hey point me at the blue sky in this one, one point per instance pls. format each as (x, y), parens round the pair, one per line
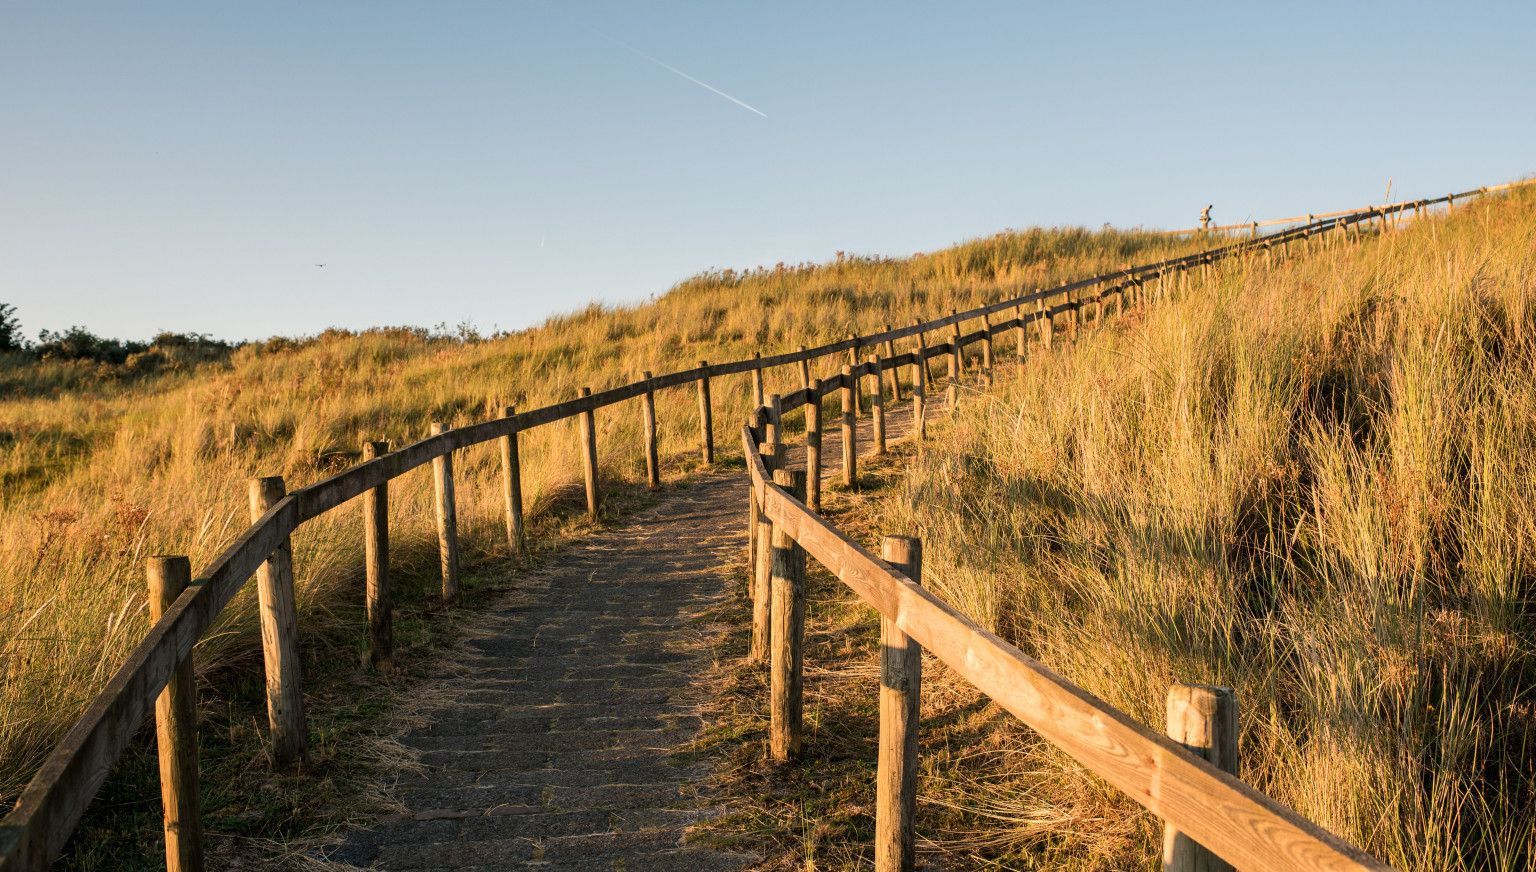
(184, 166)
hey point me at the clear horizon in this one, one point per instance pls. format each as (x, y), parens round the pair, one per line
(184, 167)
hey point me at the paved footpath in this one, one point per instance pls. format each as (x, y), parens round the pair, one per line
(554, 753)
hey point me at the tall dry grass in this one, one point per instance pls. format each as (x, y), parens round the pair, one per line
(101, 472)
(1314, 483)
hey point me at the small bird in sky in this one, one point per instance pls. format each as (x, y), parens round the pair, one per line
(320, 265)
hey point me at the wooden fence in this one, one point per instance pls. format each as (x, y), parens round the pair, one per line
(157, 673)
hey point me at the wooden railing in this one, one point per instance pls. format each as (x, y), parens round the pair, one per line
(158, 671)
(1252, 227)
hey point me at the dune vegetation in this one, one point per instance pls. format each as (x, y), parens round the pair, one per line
(104, 464)
(1314, 483)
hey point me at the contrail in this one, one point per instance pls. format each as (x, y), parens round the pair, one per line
(666, 66)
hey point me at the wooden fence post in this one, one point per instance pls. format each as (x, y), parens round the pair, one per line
(805, 368)
(890, 352)
(786, 662)
(706, 417)
(280, 636)
(922, 351)
(952, 389)
(757, 379)
(762, 581)
(877, 403)
(813, 448)
(775, 430)
(380, 609)
(589, 457)
(957, 358)
(512, 486)
(920, 394)
(1046, 322)
(850, 431)
(1021, 338)
(901, 676)
(858, 386)
(986, 349)
(1203, 719)
(447, 519)
(176, 730)
(652, 458)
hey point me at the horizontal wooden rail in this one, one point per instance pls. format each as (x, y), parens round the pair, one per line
(51, 804)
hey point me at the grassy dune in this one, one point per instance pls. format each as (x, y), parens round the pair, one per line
(102, 469)
(1316, 484)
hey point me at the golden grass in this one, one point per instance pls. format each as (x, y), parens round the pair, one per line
(101, 472)
(1314, 483)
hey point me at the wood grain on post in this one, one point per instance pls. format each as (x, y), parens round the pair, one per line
(922, 350)
(813, 448)
(858, 387)
(381, 633)
(773, 436)
(986, 350)
(757, 379)
(850, 431)
(877, 404)
(957, 356)
(652, 457)
(890, 352)
(787, 659)
(280, 636)
(1021, 338)
(952, 384)
(920, 395)
(762, 579)
(762, 591)
(589, 457)
(805, 369)
(706, 418)
(512, 486)
(447, 519)
(176, 730)
(1203, 719)
(901, 676)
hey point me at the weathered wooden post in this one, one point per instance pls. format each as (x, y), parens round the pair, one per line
(877, 403)
(447, 519)
(920, 395)
(986, 349)
(858, 387)
(775, 430)
(761, 581)
(512, 485)
(380, 609)
(957, 357)
(1021, 338)
(805, 368)
(901, 678)
(176, 729)
(813, 448)
(757, 379)
(787, 659)
(1045, 319)
(1203, 719)
(588, 419)
(652, 457)
(890, 352)
(952, 389)
(850, 431)
(280, 635)
(706, 417)
(922, 349)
